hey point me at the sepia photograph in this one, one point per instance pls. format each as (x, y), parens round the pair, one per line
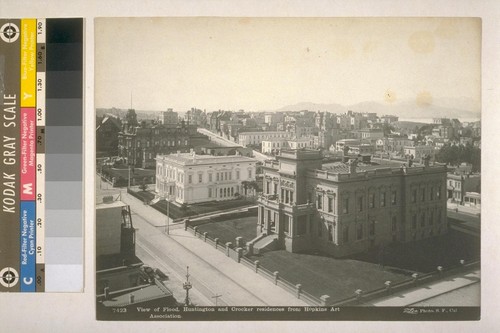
(252, 168)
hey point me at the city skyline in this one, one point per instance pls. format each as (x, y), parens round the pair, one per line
(264, 64)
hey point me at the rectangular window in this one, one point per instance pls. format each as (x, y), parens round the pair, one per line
(230, 175)
(190, 179)
(330, 204)
(275, 188)
(209, 192)
(345, 206)
(360, 204)
(286, 225)
(319, 202)
(372, 228)
(382, 199)
(238, 174)
(422, 195)
(200, 178)
(268, 187)
(431, 197)
(210, 177)
(291, 197)
(359, 232)
(431, 218)
(371, 200)
(393, 197)
(217, 176)
(438, 193)
(250, 173)
(414, 196)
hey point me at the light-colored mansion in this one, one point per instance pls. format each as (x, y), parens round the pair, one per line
(191, 178)
(350, 207)
(255, 138)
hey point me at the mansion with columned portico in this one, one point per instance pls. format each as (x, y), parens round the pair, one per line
(191, 178)
(349, 207)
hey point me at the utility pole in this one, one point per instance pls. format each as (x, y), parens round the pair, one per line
(216, 296)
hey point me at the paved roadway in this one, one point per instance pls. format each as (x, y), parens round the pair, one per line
(211, 271)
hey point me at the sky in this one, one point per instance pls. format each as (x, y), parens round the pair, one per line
(266, 63)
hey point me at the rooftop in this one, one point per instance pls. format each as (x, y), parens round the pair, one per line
(145, 294)
(264, 133)
(193, 159)
(303, 139)
(110, 204)
(276, 139)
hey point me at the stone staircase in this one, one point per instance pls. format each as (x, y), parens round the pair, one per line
(267, 243)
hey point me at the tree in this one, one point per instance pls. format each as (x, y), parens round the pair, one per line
(455, 155)
(244, 184)
(476, 159)
(254, 186)
(387, 129)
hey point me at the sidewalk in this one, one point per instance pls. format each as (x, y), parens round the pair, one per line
(463, 209)
(427, 291)
(213, 272)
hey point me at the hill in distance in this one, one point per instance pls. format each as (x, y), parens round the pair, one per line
(404, 109)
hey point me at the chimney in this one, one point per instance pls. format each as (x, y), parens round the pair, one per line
(106, 293)
(352, 166)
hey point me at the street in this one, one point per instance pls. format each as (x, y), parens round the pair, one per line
(215, 277)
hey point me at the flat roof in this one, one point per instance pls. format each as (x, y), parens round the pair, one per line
(187, 159)
(263, 132)
(277, 139)
(341, 167)
(111, 204)
(148, 293)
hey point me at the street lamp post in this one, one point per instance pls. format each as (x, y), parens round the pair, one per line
(167, 199)
(187, 285)
(168, 215)
(129, 176)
